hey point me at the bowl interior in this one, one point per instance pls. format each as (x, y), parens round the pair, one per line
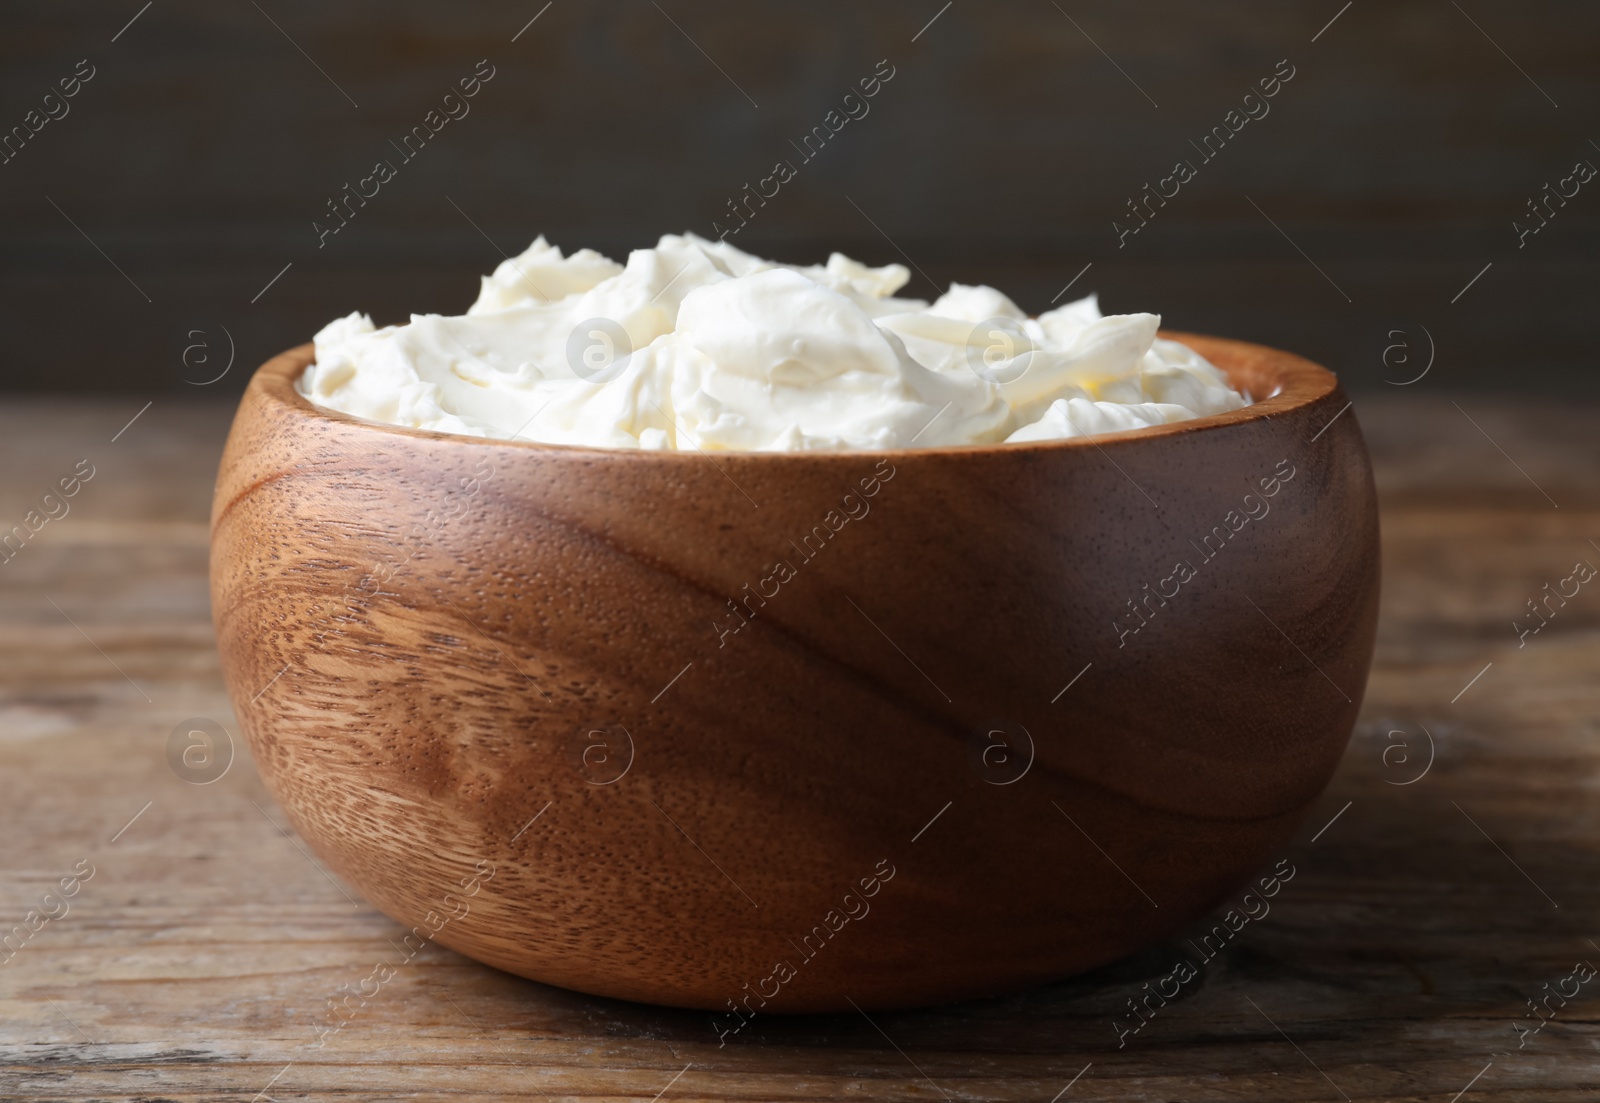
(1276, 381)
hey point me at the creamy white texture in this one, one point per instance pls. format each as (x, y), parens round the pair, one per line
(697, 345)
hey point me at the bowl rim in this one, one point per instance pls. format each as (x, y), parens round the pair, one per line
(1301, 384)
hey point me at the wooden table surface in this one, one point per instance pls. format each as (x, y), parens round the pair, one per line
(1435, 893)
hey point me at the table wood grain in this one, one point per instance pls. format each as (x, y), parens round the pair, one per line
(1433, 896)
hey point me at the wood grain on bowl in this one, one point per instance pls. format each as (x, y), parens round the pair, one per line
(787, 732)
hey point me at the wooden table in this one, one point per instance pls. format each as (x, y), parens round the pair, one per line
(1435, 893)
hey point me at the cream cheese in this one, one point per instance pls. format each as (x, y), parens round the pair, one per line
(697, 345)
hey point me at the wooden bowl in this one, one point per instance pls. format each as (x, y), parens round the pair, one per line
(791, 732)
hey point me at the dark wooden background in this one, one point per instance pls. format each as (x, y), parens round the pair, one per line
(1397, 159)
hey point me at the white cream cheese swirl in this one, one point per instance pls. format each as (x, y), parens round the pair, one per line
(697, 345)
